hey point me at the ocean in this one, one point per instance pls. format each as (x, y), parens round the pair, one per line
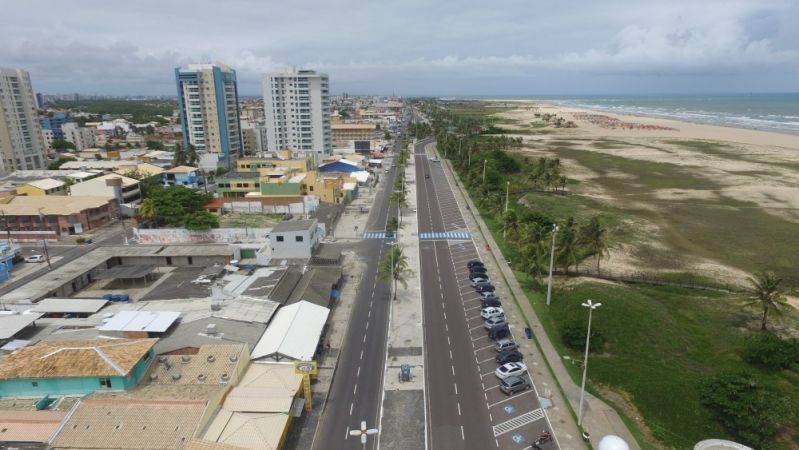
(770, 112)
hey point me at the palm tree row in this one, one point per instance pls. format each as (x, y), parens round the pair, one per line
(394, 267)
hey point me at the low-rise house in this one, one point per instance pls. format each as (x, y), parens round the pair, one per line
(32, 218)
(75, 367)
(295, 239)
(182, 176)
(125, 190)
(46, 186)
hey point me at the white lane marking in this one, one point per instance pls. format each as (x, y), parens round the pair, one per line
(450, 354)
(369, 316)
(529, 391)
(364, 338)
(361, 354)
(367, 326)
(492, 387)
(347, 434)
(487, 374)
(445, 315)
(463, 436)
(459, 408)
(519, 421)
(456, 388)
(448, 342)
(453, 370)
(355, 390)
(486, 360)
(359, 372)
(484, 347)
(351, 406)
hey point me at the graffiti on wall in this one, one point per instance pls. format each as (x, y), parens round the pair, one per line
(181, 235)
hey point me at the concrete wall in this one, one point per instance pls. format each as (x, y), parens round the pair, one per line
(182, 235)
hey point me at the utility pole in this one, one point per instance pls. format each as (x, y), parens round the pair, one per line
(591, 307)
(44, 239)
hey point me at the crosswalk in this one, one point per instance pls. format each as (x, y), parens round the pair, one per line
(519, 421)
(450, 235)
(376, 235)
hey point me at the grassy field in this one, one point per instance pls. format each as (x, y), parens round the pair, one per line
(238, 220)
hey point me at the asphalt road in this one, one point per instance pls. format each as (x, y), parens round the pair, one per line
(356, 390)
(466, 410)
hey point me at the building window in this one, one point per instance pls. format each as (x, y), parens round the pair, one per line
(298, 238)
(279, 238)
(105, 382)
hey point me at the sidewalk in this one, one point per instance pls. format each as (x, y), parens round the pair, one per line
(403, 421)
(551, 378)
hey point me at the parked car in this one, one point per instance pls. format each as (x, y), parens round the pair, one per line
(511, 369)
(485, 287)
(507, 356)
(427, 176)
(476, 270)
(34, 259)
(492, 311)
(495, 322)
(485, 303)
(505, 344)
(475, 280)
(514, 384)
(474, 263)
(489, 296)
(499, 333)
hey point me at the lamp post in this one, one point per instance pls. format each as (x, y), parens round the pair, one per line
(507, 195)
(364, 432)
(44, 239)
(551, 263)
(591, 307)
(484, 170)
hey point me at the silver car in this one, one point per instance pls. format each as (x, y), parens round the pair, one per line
(495, 322)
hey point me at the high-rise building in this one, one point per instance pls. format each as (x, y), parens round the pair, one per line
(82, 137)
(208, 102)
(21, 140)
(297, 110)
(54, 121)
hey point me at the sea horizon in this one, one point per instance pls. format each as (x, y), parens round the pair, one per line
(776, 112)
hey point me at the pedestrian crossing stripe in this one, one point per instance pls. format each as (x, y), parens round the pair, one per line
(374, 235)
(450, 235)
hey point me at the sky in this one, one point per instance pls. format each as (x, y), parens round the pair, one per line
(412, 47)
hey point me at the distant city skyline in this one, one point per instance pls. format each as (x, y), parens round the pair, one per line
(414, 48)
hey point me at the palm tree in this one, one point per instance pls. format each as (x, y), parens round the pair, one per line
(147, 209)
(595, 239)
(400, 200)
(191, 155)
(535, 257)
(766, 293)
(394, 267)
(568, 245)
(510, 223)
(179, 157)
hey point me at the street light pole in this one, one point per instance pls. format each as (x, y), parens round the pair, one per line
(591, 307)
(507, 195)
(484, 170)
(44, 239)
(551, 263)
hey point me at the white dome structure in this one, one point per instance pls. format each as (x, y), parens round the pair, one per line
(720, 444)
(612, 442)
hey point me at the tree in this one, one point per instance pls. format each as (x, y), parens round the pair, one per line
(55, 165)
(179, 156)
(62, 144)
(386, 135)
(750, 410)
(394, 267)
(392, 225)
(535, 258)
(567, 245)
(400, 200)
(147, 210)
(200, 220)
(766, 293)
(191, 155)
(593, 235)
(154, 145)
(510, 222)
(173, 205)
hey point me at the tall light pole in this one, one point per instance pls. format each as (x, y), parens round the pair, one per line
(591, 307)
(551, 263)
(484, 170)
(364, 432)
(44, 239)
(507, 195)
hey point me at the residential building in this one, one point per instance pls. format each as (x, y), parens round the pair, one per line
(45, 186)
(254, 137)
(54, 122)
(353, 131)
(284, 159)
(52, 216)
(82, 137)
(295, 239)
(21, 140)
(182, 176)
(297, 110)
(209, 110)
(329, 188)
(124, 189)
(48, 137)
(75, 367)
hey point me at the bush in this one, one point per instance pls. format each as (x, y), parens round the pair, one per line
(771, 352)
(748, 410)
(573, 335)
(80, 240)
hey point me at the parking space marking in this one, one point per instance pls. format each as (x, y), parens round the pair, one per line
(512, 397)
(483, 348)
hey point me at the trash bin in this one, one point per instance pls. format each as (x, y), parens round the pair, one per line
(529, 332)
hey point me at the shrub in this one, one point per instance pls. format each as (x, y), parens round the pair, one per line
(752, 412)
(80, 240)
(573, 335)
(771, 352)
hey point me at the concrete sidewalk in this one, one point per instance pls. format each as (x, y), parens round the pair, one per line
(599, 419)
(402, 423)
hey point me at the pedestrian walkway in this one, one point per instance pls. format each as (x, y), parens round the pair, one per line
(374, 235)
(446, 236)
(599, 419)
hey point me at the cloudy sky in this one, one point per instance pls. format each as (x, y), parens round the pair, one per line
(412, 47)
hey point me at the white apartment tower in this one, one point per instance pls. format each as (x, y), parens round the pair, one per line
(21, 140)
(297, 110)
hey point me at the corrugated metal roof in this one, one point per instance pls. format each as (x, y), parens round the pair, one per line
(150, 321)
(11, 324)
(293, 333)
(69, 305)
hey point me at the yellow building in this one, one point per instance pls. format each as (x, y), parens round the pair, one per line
(46, 186)
(329, 188)
(353, 131)
(262, 165)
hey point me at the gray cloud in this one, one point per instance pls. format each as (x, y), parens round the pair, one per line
(412, 47)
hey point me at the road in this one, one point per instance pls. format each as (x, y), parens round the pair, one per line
(466, 410)
(356, 390)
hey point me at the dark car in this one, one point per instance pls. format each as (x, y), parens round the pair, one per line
(514, 384)
(477, 269)
(507, 356)
(488, 296)
(485, 287)
(427, 176)
(499, 333)
(478, 273)
(482, 278)
(475, 262)
(490, 302)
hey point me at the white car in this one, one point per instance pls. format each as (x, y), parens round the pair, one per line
(434, 160)
(34, 259)
(511, 369)
(491, 311)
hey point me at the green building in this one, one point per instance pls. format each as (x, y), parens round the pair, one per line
(75, 367)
